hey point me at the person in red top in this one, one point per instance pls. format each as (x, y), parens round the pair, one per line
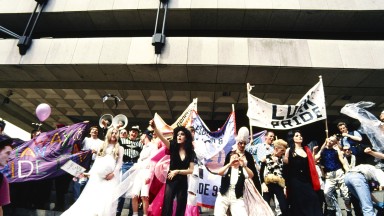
(5, 151)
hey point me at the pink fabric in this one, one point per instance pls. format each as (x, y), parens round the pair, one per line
(192, 211)
(157, 188)
(4, 192)
(253, 198)
(161, 168)
(155, 207)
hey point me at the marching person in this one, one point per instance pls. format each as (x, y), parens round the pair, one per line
(271, 177)
(357, 180)
(97, 196)
(92, 143)
(234, 173)
(2, 126)
(331, 159)
(5, 151)
(351, 138)
(182, 159)
(132, 148)
(143, 172)
(302, 179)
(348, 157)
(233, 186)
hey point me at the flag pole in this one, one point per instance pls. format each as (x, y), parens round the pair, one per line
(326, 118)
(249, 88)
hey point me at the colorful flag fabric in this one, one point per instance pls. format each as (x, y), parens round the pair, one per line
(42, 157)
(309, 109)
(183, 120)
(211, 149)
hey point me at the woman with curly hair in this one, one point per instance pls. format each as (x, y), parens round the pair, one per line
(96, 198)
(182, 158)
(302, 179)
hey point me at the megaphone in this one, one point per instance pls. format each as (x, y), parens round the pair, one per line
(120, 121)
(108, 118)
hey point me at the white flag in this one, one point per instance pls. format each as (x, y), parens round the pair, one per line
(309, 109)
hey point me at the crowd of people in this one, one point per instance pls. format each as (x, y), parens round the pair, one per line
(299, 180)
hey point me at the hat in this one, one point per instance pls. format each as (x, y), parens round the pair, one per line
(6, 142)
(136, 128)
(2, 124)
(346, 146)
(148, 133)
(243, 135)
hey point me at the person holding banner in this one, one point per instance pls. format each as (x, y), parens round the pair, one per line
(182, 159)
(2, 126)
(92, 143)
(302, 179)
(97, 197)
(5, 151)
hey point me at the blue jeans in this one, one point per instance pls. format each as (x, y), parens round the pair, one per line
(78, 187)
(125, 167)
(358, 186)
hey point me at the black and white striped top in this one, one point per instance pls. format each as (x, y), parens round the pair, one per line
(132, 149)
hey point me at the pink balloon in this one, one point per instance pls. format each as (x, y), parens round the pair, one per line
(43, 111)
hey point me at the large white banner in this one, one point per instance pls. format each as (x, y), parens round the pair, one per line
(309, 109)
(211, 149)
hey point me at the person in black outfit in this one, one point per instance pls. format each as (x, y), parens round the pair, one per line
(301, 178)
(182, 159)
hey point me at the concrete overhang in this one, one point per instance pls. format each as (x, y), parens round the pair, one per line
(73, 74)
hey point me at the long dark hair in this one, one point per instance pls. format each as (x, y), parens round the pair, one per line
(188, 139)
(291, 143)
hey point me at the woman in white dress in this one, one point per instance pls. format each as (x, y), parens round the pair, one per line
(96, 198)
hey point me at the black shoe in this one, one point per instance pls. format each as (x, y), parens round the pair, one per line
(118, 213)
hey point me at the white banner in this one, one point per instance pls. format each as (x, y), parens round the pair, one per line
(309, 109)
(211, 149)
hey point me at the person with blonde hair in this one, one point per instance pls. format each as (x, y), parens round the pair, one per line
(97, 196)
(271, 175)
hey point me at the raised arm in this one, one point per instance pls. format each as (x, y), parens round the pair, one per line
(244, 162)
(159, 134)
(286, 156)
(340, 154)
(355, 136)
(318, 154)
(373, 153)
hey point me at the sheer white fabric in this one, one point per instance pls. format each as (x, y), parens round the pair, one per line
(370, 125)
(96, 198)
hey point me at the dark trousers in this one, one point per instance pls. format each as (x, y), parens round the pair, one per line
(62, 186)
(120, 205)
(177, 188)
(276, 190)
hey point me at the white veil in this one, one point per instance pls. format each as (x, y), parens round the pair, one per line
(370, 125)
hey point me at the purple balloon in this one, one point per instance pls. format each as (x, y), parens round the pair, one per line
(43, 111)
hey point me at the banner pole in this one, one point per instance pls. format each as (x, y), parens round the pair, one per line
(326, 119)
(250, 125)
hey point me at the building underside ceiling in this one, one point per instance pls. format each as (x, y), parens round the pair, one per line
(78, 99)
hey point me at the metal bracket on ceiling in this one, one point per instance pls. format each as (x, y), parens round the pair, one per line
(158, 39)
(25, 41)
